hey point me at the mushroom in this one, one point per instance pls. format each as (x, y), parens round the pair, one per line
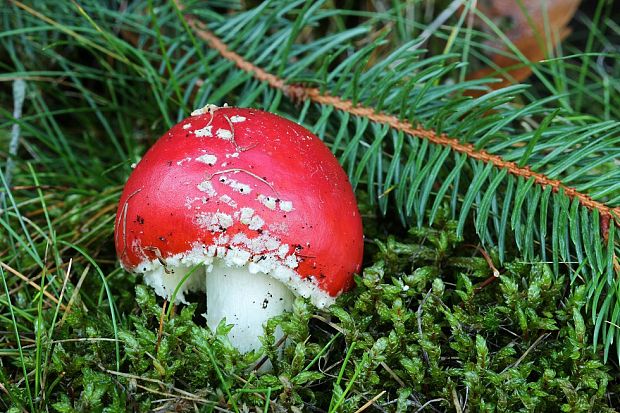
(245, 205)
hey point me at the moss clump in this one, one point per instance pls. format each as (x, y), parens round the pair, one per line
(422, 328)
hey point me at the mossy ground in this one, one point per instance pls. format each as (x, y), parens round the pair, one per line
(428, 326)
(424, 327)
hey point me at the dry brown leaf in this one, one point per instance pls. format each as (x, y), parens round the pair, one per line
(532, 29)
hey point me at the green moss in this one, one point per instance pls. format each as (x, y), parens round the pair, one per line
(416, 326)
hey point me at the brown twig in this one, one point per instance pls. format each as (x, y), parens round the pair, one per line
(420, 332)
(486, 257)
(370, 402)
(33, 187)
(455, 400)
(160, 331)
(486, 282)
(540, 338)
(182, 394)
(159, 257)
(4, 390)
(264, 359)
(123, 222)
(387, 368)
(75, 294)
(303, 93)
(32, 284)
(491, 265)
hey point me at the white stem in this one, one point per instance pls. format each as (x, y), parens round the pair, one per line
(245, 300)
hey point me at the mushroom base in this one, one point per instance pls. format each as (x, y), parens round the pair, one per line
(245, 300)
(245, 291)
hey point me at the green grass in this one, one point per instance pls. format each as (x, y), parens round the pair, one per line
(424, 329)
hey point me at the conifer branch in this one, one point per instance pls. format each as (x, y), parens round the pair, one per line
(302, 93)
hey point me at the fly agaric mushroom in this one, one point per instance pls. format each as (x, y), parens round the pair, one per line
(254, 204)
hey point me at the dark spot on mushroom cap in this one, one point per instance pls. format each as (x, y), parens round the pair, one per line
(169, 163)
(265, 303)
(139, 220)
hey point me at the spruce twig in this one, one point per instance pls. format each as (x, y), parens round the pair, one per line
(302, 93)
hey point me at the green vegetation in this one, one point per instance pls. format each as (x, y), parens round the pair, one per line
(428, 326)
(416, 326)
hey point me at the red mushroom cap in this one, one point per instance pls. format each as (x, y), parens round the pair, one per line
(249, 187)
